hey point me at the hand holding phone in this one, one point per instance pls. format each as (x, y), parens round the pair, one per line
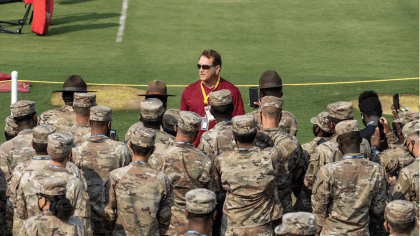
(253, 96)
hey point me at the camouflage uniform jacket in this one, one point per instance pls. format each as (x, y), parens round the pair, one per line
(328, 153)
(127, 136)
(47, 224)
(61, 118)
(407, 187)
(345, 192)
(187, 168)
(16, 150)
(137, 199)
(162, 142)
(27, 200)
(97, 157)
(34, 164)
(249, 179)
(80, 133)
(288, 164)
(312, 145)
(215, 141)
(287, 123)
(400, 156)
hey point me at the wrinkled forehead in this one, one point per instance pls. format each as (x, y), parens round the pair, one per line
(205, 60)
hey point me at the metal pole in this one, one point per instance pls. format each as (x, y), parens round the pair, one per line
(14, 90)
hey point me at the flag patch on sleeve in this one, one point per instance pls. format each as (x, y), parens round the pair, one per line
(284, 150)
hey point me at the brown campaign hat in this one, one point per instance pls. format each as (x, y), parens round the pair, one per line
(270, 79)
(156, 88)
(74, 83)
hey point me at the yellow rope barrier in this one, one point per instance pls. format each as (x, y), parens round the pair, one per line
(183, 86)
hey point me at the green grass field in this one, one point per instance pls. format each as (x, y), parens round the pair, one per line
(304, 41)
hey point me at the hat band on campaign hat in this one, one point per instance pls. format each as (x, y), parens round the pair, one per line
(74, 89)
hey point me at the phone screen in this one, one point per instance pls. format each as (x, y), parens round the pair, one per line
(253, 96)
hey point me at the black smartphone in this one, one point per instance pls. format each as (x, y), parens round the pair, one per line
(253, 96)
(396, 98)
(112, 134)
(381, 131)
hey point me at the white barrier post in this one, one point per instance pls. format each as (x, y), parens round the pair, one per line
(14, 90)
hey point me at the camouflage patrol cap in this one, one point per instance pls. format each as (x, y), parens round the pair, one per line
(200, 201)
(84, 100)
(151, 108)
(340, 110)
(59, 145)
(390, 160)
(171, 117)
(322, 121)
(143, 137)
(189, 121)
(22, 108)
(42, 132)
(52, 186)
(347, 126)
(271, 101)
(221, 97)
(100, 113)
(302, 223)
(10, 127)
(400, 212)
(410, 128)
(406, 117)
(244, 124)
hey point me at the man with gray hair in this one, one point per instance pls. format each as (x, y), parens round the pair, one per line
(59, 150)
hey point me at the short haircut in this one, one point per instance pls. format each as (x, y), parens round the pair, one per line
(336, 121)
(169, 130)
(97, 124)
(369, 104)
(140, 151)
(223, 109)
(206, 217)
(271, 112)
(276, 92)
(245, 138)
(8, 136)
(24, 119)
(40, 147)
(350, 137)
(163, 99)
(217, 59)
(401, 228)
(67, 96)
(82, 111)
(151, 122)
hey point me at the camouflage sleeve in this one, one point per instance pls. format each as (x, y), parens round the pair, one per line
(164, 214)
(312, 170)
(154, 161)
(20, 213)
(125, 155)
(205, 146)
(22, 230)
(217, 175)
(321, 196)
(379, 200)
(402, 188)
(4, 156)
(392, 139)
(82, 209)
(109, 205)
(74, 170)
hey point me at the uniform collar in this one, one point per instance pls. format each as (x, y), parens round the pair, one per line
(140, 163)
(372, 123)
(41, 157)
(55, 169)
(353, 156)
(183, 143)
(98, 138)
(272, 129)
(25, 131)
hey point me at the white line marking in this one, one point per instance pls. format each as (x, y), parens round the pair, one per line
(122, 21)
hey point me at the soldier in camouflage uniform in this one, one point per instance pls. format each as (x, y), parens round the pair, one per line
(10, 129)
(64, 117)
(55, 218)
(152, 111)
(81, 104)
(296, 224)
(137, 197)
(289, 164)
(400, 217)
(215, 141)
(98, 156)
(328, 152)
(170, 119)
(186, 167)
(407, 186)
(398, 125)
(271, 84)
(59, 150)
(156, 89)
(346, 191)
(321, 131)
(248, 176)
(200, 212)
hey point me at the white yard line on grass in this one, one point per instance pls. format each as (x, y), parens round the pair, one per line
(122, 21)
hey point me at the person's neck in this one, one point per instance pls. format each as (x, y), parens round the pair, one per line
(41, 153)
(26, 126)
(269, 123)
(183, 138)
(96, 131)
(68, 104)
(82, 120)
(56, 163)
(246, 145)
(371, 118)
(222, 118)
(350, 149)
(140, 158)
(154, 126)
(397, 234)
(200, 227)
(210, 83)
(320, 135)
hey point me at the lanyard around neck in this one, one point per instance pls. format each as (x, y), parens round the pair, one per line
(206, 97)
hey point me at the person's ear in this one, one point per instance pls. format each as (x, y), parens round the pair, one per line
(153, 150)
(361, 114)
(331, 125)
(109, 125)
(89, 122)
(214, 215)
(176, 128)
(35, 119)
(139, 118)
(32, 143)
(129, 144)
(218, 69)
(186, 213)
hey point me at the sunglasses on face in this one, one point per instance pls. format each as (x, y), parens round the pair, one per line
(205, 67)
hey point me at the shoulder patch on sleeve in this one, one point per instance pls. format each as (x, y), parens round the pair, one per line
(284, 150)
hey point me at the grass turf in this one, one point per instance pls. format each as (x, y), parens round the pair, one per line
(321, 41)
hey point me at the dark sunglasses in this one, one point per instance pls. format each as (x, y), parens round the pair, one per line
(205, 67)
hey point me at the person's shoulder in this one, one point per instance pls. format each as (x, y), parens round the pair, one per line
(229, 85)
(192, 86)
(120, 172)
(412, 168)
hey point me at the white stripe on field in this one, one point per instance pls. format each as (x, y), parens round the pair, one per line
(122, 21)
